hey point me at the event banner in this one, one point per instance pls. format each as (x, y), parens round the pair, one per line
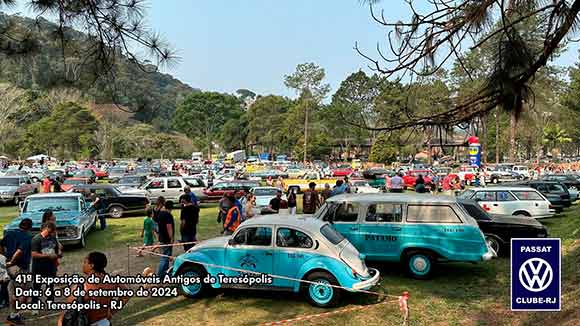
(536, 274)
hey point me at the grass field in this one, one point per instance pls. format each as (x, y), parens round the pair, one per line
(459, 294)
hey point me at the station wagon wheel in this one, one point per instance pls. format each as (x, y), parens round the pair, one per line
(116, 211)
(321, 294)
(419, 264)
(493, 242)
(193, 290)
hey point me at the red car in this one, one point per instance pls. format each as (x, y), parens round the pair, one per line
(411, 176)
(100, 174)
(71, 182)
(342, 171)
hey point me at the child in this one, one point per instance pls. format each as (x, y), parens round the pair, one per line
(147, 231)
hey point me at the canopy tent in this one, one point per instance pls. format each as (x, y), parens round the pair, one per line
(41, 157)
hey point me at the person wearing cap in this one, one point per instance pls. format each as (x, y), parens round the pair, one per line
(16, 247)
(233, 217)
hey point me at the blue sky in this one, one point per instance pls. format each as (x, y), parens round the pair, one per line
(225, 45)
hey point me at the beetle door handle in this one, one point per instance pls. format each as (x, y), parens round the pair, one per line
(353, 228)
(268, 254)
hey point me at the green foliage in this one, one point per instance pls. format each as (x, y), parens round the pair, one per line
(202, 116)
(383, 150)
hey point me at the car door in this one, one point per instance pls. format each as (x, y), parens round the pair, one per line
(488, 201)
(507, 203)
(345, 219)
(293, 248)
(156, 187)
(381, 230)
(174, 188)
(531, 201)
(251, 250)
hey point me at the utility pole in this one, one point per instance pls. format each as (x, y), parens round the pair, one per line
(306, 132)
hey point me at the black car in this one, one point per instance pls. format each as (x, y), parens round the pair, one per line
(117, 203)
(500, 229)
(554, 191)
(569, 180)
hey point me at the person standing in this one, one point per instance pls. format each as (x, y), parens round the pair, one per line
(166, 227)
(148, 231)
(187, 192)
(45, 252)
(16, 247)
(189, 219)
(233, 217)
(339, 188)
(280, 184)
(420, 185)
(249, 207)
(223, 207)
(100, 205)
(46, 184)
(326, 193)
(310, 199)
(397, 183)
(292, 202)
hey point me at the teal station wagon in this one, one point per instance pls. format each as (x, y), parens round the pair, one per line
(289, 248)
(418, 230)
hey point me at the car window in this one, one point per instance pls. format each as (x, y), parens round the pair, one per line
(505, 196)
(527, 195)
(290, 238)
(386, 213)
(346, 212)
(554, 187)
(484, 196)
(331, 234)
(156, 184)
(431, 214)
(255, 236)
(173, 183)
(193, 182)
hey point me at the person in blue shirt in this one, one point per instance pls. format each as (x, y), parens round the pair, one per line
(339, 188)
(238, 203)
(187, 191)
(16, 247)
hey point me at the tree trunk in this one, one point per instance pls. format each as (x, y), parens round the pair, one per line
(513, 126)
(306, 132)
(497, 137)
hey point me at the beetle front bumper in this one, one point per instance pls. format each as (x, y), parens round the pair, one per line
(367, 284)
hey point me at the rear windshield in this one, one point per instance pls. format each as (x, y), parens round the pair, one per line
(331, 234)
(475, 211)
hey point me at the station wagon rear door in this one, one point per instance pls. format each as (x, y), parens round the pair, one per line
(380, 231)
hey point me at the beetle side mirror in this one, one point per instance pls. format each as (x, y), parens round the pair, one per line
(231, 242)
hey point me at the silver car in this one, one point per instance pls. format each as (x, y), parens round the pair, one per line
(13, 189)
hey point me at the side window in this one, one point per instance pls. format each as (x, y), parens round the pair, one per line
(173, 183)
(346, 212)
(540, 187)
(386, 213)
(505, 196)
(290, 238)
(431, 214)
(554, 187)
(193, 183)
(484, 196)
(156, 184)
(258, 236)
(527, 195)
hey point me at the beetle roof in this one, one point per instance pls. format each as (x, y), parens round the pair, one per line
(307, 223)
(381, 197)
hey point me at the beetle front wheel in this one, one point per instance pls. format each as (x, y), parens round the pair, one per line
(194, 290)
(320, 293)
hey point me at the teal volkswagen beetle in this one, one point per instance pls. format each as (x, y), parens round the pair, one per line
(417, 230)
(74, 217)
(285, 248)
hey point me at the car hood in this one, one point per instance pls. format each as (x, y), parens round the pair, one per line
(63, 218)
(508, 219)
(219, 242)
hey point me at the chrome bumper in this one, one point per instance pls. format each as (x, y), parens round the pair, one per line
(365, 285)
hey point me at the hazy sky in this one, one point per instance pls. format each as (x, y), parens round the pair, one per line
(225, 45)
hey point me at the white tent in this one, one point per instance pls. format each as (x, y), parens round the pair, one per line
(41, 157)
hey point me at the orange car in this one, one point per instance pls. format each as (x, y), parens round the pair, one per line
(71, 182)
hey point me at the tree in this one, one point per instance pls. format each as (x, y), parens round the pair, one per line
(202, 115)
(554, 136)
(383, 151)
(307, 81)
(440, 33)
(267, 121)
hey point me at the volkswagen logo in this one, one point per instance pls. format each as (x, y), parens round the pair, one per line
(536, 274)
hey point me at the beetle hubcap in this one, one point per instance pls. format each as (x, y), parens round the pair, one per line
(321, 292)
(193, 288)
